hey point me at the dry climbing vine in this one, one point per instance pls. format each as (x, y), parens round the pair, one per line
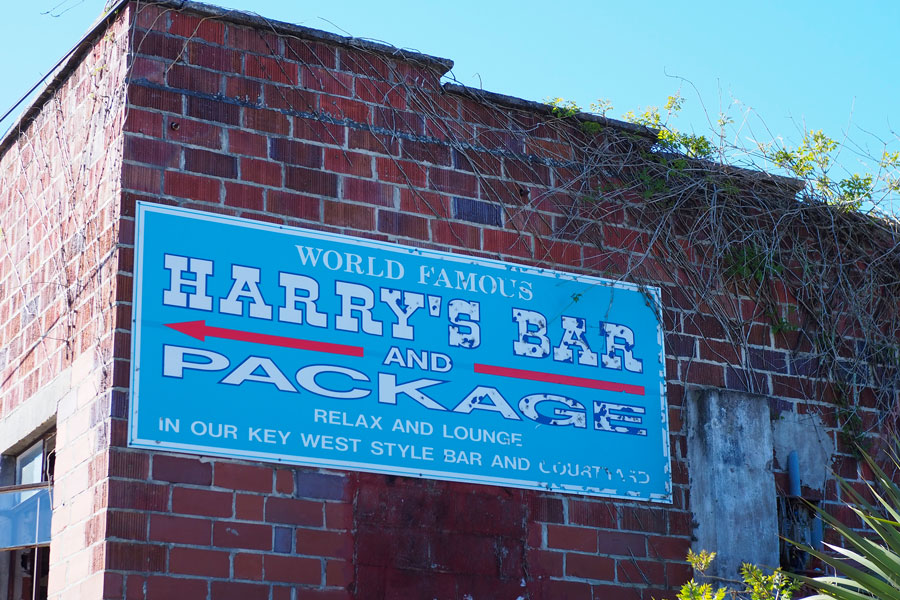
(742, 254)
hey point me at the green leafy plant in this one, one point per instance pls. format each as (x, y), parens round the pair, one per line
(751, 262)
(869, 564)
(694, 146)
(756, 584)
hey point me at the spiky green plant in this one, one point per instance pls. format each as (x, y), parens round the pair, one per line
(868, 566)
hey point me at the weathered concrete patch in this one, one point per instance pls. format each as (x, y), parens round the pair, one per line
(732, 488)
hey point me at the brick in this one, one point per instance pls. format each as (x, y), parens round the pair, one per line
(293, 569)
(144, 69)
(252, 536)
(146, 558)
(353, 216)
(213, 110)
(507, 242)
(426, 152)
(311, 181)
(334, 544)
(345, 109)
(668, 548)
(243, 196)
(197, 561)
(370, 192)
(175, 587)
(295, 153)
(593, 514)
(381, 93)
(330, 82)
(768, 360)
(154, 99)
(351, 163)
(292, 100)
(582, 539)
(137, 495)
(192, 187)
(293, 205)
(361, 139)
(247, 143)
(144, 122)
(371, 66)
(454, 182)
(284, 539)
(183, 77)
(233, 590)
(312, 53)
(401, 171)
(703, 373)
(294, 512)
(284, 481)
(400, 121)
(190, 26)
(477, 211)
(245, 90)
(424, 203)
(195, 133)
(271, 69)
(565, 590)
(248, 507)
(213, 57)
(589, 566)
(641, 572)
(644, 520)
(270, 121)
(154, 43)
(248, 566)
(204, 502)
(180, 530)
(243, 477)
(619, 592)
(141, 178)
(320, 486)
(543, 563)
(210, 163)
(262, 172)
(126, 524)
(620, 543)
(339, 573)
(677, 574)
(455, 234)
(402, 224)
(253, 39)
(175, 469)
(306, 128)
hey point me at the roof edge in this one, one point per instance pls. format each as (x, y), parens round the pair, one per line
(542, 107)
(255, 20)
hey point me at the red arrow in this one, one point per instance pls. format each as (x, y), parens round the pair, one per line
(200, 330)
(596, 384)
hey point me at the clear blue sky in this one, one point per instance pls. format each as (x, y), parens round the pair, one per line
(823, 65)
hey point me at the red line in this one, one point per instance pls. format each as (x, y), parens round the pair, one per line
(596, 384)
(277, 340)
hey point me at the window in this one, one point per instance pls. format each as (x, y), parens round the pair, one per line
(25, 512)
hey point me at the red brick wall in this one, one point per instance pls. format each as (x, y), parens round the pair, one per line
(300, 129)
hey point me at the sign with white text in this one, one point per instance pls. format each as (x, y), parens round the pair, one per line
(264, 342)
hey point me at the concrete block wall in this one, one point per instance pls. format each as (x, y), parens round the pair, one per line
(232, 115)
(60, 172)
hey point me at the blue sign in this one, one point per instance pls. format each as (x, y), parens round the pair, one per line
(258, 341)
